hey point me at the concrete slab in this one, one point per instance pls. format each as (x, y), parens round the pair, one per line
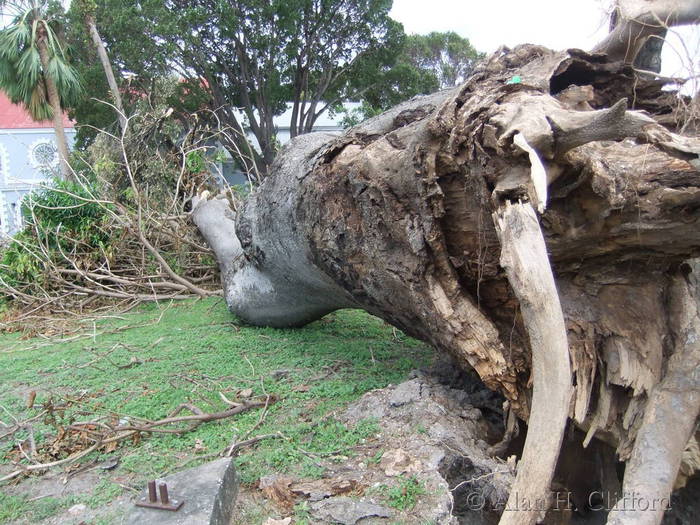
(209, 492)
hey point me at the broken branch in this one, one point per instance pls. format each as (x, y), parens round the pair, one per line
(524, 258)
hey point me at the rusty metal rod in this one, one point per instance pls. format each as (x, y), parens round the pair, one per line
(152, 492)
(163, 493)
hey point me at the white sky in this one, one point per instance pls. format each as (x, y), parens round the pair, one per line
(558, 24)
(491, 23)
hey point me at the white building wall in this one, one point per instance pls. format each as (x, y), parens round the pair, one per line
(24, 164)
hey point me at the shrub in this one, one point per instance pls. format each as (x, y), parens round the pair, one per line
(60, 219)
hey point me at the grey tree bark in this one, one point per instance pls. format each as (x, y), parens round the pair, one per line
(107, 66)
(640, 20)
(424, 216)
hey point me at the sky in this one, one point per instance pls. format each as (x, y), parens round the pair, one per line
(491, 23)
(558, 24)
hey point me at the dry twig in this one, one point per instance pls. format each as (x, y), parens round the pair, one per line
(103, 434)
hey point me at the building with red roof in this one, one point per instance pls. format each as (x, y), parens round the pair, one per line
(28, 157)
(14, 116)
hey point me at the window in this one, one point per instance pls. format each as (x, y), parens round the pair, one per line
(43, 155)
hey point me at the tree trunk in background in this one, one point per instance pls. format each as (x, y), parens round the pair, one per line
(636, 21)
(649, 56)
(55, 101)
(107, 66)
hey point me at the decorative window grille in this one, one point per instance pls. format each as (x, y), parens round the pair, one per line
(43, 155)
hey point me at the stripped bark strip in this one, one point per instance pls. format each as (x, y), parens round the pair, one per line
(524, 258)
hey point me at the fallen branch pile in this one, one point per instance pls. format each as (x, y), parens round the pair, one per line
(121, 232)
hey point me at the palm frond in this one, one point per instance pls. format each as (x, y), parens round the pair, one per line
(38, 104)
(66, 79)
(13, 40)
(51, 40)
(35, 25)
(29, 67)
(8, 76)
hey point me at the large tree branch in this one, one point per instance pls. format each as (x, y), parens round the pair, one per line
(524, 257)
(638, 20)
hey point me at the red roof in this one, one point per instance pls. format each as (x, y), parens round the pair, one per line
(14, 116)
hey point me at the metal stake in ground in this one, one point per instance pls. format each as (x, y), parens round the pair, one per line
(165, 503)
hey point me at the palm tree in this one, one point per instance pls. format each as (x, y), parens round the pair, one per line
(34, 68)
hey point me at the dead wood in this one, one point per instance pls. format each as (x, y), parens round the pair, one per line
(103, 434)
(669, 420)
(136, 249)
(233, 450)
(524, 259)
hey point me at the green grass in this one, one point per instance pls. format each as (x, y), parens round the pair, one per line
(150, 361)
(11, 507)
(16, 507)
(404, 494)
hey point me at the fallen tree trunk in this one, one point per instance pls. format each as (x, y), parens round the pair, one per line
(395, 217)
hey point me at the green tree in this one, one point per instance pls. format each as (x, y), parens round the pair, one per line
(418, 65)
(448, 56)
(252, 57)
(34, 67)
(87, 9)
(141, 66)
(260, 54)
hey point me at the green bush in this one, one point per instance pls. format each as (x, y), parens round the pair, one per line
(60, 218)
(69, 207)
(18, 264)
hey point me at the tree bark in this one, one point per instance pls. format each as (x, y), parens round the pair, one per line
(395, 217)
(636, 21)
(107, 66)
(674, 404)
(55, 101)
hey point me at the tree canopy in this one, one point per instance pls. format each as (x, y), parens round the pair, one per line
(448, 56)
(420, 64)
(249, 59)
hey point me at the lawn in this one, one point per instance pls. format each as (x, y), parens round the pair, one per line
(146, 363)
